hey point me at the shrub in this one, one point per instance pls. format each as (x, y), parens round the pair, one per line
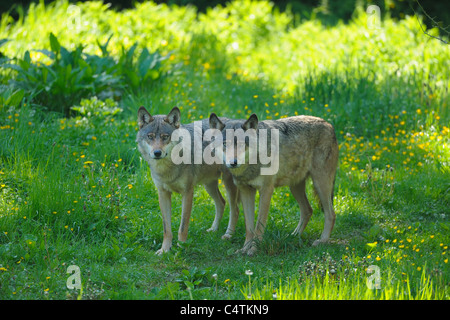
(64, 77)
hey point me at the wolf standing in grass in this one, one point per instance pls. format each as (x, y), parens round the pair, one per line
(155, 143)
(306, 147)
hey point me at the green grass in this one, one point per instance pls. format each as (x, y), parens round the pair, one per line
(74, 191)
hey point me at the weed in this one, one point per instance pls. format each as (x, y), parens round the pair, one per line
(379, 184)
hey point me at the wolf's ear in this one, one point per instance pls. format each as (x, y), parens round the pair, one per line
(174, 117)
(144, 117)
(215, 123)
(251, 123)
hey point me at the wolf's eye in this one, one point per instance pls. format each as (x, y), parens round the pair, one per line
(165, 137)
(151, 136)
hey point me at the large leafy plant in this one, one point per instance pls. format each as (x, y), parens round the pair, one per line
(68, 76)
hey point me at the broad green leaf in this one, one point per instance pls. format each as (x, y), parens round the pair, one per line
(54, 44)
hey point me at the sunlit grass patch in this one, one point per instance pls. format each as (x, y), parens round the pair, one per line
(342, 285)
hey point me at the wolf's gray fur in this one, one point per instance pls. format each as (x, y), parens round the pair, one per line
(307, 148)
(155, 145)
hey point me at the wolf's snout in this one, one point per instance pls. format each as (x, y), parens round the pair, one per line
(233, 162)
(157, 153)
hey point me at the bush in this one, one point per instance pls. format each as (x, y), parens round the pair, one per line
(64, 77)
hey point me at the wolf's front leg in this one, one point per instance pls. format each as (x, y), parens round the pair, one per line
(248, 203)
(213, 190)
(233, 199)
(185, 214)
(265, 195)
(165, 204)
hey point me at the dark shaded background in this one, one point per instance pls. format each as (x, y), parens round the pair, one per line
(329, 11)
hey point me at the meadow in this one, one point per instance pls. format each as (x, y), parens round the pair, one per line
(75, 191)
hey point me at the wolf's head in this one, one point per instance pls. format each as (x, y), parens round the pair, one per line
(154, 136)
(239, 140)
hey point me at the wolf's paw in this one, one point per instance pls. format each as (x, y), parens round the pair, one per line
(319, 242)
(227, 236)
(249, 250)
(295, 233)
(163, 250)
(214, 227)
(252, 251)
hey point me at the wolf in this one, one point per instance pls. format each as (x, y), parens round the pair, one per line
(307, 147)
(155, 143)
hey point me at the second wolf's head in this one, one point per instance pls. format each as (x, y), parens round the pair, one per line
(154, 135)
(248, 142)
(239, 140)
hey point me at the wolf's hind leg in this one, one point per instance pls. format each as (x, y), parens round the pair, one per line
(324, 183)
(299, 193)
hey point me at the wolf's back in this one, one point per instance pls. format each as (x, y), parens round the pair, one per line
(299, 130)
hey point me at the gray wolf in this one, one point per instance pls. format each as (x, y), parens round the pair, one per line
(154, 140)
(307, 147)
